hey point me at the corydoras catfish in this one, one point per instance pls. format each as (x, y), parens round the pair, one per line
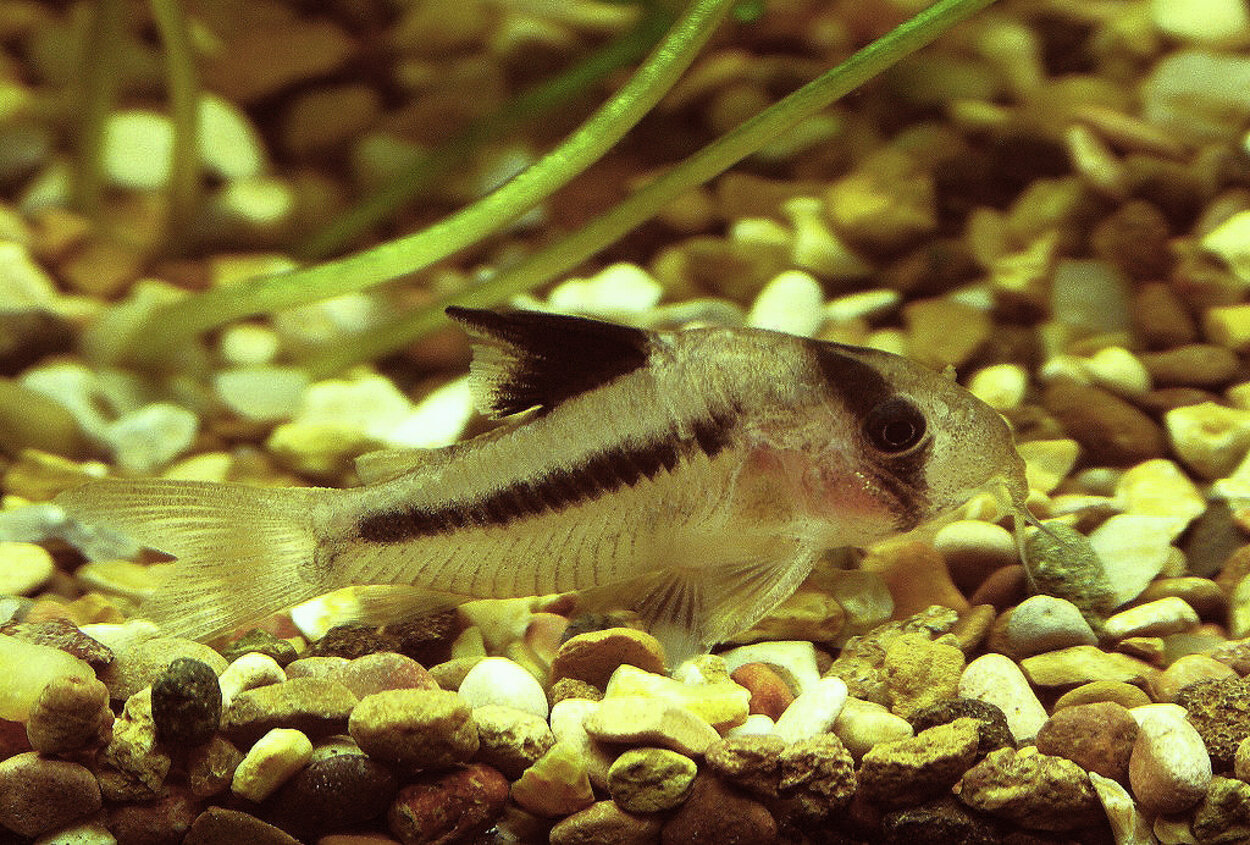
(695, 474)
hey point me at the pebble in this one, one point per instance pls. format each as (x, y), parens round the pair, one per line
(998, 680)
(1001, 386)
(862, 725)
(70, 714)
(210, 767)
(498, 680)
(973, 549)
(917, 577)
(568, 726)
(1124, 694)
(993, 727)
(605, 821)
(593, 657)
(24, 568)
(942, 820)
(332, 794)
(1048, 462)
(796, 659)
(219, 826)
(125, 578)
(1133, 550)
(140, 665)
(1221, 815)
(270, 762)
(1046, 623)
(261, 393)
(1082, 664)
(381, 671)
(165, 820)
(1169, 769)
(1220, 711)
(791, 302)
(1097, 737)
(1109, 429)
(1229, 326)
(1192, 365)
(27, 668)
(186, 703)
(912, 770)
(1210, 439)
(558, 784)
(721, 703)
(813, 711)
(1161, 489)
(39, 794)
(648, 721)
(136, 151)
(64, 635)
(757, 724)
(817, 778)
(420, 728)
(249, 670)
(320, 668)
(716, 815)
(1036, 791)
(650, 780)
(1158, 618)
(229, 145)
(1128, 825)
(615, 291)
(1189, 669)
(133, 766)
(145, 440)
(510, 740)
(770, 696)
(312, 705)
(1209, 22)
(919, 672)
(451, 807)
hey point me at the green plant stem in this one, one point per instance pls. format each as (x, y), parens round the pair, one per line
(185, 319)
(524, 108)
(98, 71)
(645, 203)
(184, 94)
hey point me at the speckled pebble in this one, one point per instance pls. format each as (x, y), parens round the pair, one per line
(510, 740)
(650, 780)
(817, 777)
(605, 821)
(210, 767)
(316, 707)
(1189, 669)
(498, 680)
(1097, 737)
(1045, 623)
(271, 761)
(38, 794)
(1033, 790)
(558, 784)
(133, 766)
(186, 703)
(650, 721)
(1220, 711)
(260, 641)
(716, 815)
(919, 671)
(863, 724)
(996, 679)
(451, 807)
(1223, 815)
(813, 711)
(70, 714)
(332, 794)
(423, 729)
(383, 670)
(752, 763)
(1169, 769)
(909, 771)
(995, 732)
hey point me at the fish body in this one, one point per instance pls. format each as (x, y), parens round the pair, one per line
(696, 475)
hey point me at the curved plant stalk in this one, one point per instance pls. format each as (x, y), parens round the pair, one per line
(648, 201)
(181, 321)
(524, 108)
(97, 69)
(184, 99)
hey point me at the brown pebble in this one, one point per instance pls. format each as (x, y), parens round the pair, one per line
(161, 822)
(769, 693)
(219, 826)
(716, 815)
(572, 688)
(1111, 430)
(1193, 365)
(604, 822)
(1097, 737)
(1005, 587)
(1159, 317)
(38, 794)
(451, 807)
(1186, 670)
(917, 577)
(1135, 237)
(593, 657)
(70, 714)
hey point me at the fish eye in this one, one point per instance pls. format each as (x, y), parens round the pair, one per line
(894, 425)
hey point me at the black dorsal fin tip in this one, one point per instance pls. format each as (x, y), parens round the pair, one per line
(528, 359)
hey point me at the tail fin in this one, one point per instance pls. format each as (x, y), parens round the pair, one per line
(243, 552)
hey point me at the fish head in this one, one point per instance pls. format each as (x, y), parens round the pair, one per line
(904, 444)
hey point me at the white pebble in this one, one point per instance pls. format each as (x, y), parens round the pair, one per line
(812, 712)
(137, 147)
(616, 291)
(1159, 618)
(145, 440)
(1046, 623)
(1169, 768)
(229, 145)
(248, 671)
(792, 302)
(863, 724)
(1001, 386)
(757, 724)
(262, 393)
(1209, 438)
(1214, 22)
(1133, 550)
(1118, 370)
(498, 680)
(1128, 825)
(996, 679)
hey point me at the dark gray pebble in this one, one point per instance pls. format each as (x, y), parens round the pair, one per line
(261, 641)
(994, 730)
(332, 795)
(186, 703)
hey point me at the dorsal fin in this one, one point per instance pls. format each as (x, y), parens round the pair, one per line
(528, 359)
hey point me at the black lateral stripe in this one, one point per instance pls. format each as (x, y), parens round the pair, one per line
(602, 473)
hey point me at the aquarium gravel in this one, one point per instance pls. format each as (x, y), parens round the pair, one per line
(1053, 200)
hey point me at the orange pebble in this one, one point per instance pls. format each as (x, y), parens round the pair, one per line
(769, 693)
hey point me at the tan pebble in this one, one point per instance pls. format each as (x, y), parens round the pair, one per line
(863, 724)
(1003, 588)
(24, 567)
(973, 549)
(259, 60)
(556, 785)
(1241, 760)
(1001, 386)
(715, 813)
(509, 739)
(1082, 664)
(943, 332)
(973, 627)
(650, 780)
(649, 721)
(1110, 429)
(1209, 438)
(1152, 619)
(1152, 650)
(925, 766)
(1132, 551)
(1189, 670)
(1202, 594)
(1160, 488)
(998, 680)
(572, 688)
(1194, 365)
(70, 713)
(917, 577)
(1118, 370)
(271, 761)
(328, 115)
(605, 821)
(567, 722)
(593, 657)
(102, 268)
(1169, 769)
(1098, 737)
(885, 202)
